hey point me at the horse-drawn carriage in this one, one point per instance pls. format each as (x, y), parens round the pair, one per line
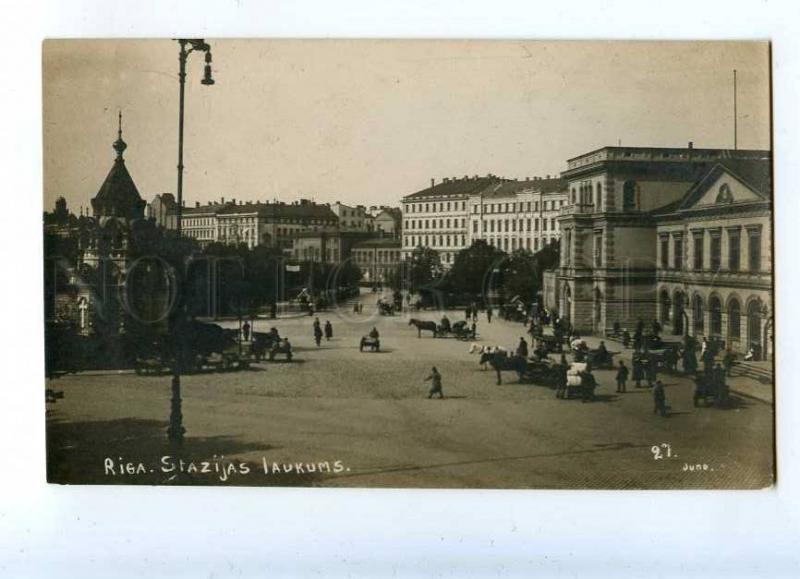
(262, 342)
(529, 371)
(550, 344)
(710, 387)
(580, 382)
(457, 330)
(203, 347)
(386, 308)
(372, 343)
(282, 348)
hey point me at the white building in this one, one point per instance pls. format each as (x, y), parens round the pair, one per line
(515, 215)
(506, 213)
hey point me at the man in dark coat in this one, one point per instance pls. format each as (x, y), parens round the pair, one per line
(622, 377)
(328, 330)
(489, 314)
(436, 383)
(522, 348)
(246, 331)
(638, 371)
(652, 371)
(317, 332)
(659, 399)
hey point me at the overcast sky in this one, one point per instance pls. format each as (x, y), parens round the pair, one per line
(370, 121)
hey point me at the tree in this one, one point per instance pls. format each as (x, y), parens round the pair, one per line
(523, 271)
(422, 269)
(474, 269)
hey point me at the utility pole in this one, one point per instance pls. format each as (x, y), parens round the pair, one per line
(735, 115)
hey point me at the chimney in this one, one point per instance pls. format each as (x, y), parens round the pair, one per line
(233, 201)
(433, 182)
(691, 145)
(445, 180)
(548, 176)
(527, 178)
(197, 204)
(222, 200)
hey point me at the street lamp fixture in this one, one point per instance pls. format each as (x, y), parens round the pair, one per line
(176, 430)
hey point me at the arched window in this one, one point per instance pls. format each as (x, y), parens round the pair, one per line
(666, 304)
(629, 196)
(754, 322)
(697, 313)
(715, 315)
(734, 320)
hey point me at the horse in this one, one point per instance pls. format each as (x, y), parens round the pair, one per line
(424, 325)
(477, 348)
(501, 362)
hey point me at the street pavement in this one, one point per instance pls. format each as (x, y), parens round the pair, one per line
(339, 417)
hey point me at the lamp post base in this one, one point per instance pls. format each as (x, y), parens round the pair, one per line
(176, 430)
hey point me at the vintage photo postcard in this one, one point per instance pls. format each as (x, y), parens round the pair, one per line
(411, 264)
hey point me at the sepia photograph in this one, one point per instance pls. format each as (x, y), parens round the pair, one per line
(439, 264)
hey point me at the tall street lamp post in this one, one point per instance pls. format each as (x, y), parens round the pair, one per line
(176, 430)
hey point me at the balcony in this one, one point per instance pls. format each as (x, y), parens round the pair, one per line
(577, 208)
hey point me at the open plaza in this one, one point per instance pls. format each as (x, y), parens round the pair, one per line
(338, 417)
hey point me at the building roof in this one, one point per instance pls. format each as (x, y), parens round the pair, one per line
(282, 210)
(118, 195)
(378, 242)
(508, 188)
(755, 174)
(463, 186)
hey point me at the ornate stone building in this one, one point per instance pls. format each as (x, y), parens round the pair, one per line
(667, 233)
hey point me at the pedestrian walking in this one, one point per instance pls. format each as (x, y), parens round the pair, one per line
(246, 331)
(317, 332)
(659, 399)
(638, 371)
(522, 348)
(474, 312)
(622, 377)
(489, 314)
(436, 383)
(328, 330)
(474, 329)
(467, 313)
(652, 371)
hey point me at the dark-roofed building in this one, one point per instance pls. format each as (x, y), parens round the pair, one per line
(377, 257)
(509, 214)
(271, 224)
(436, 217)
(667, 233)
(513, 215)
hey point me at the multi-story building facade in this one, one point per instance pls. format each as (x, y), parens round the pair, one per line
(507, 214)
(326, 246)
(714, 258)
(517, 214)
(377, 258)
(351, 218)
(386, 221)
(253, 223)
(162, 209)
(436, 217)
(629, 207)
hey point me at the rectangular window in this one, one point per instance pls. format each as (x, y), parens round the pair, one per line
(698, 251)
(734, 250)
(665, 252)
(715, 250)
(598, 249)
(536, 224)
(536, 206)
(544, 224)
(754, 250)
(678, 253)
(474, 227)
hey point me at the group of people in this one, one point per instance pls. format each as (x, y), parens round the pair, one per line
(318, 331)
